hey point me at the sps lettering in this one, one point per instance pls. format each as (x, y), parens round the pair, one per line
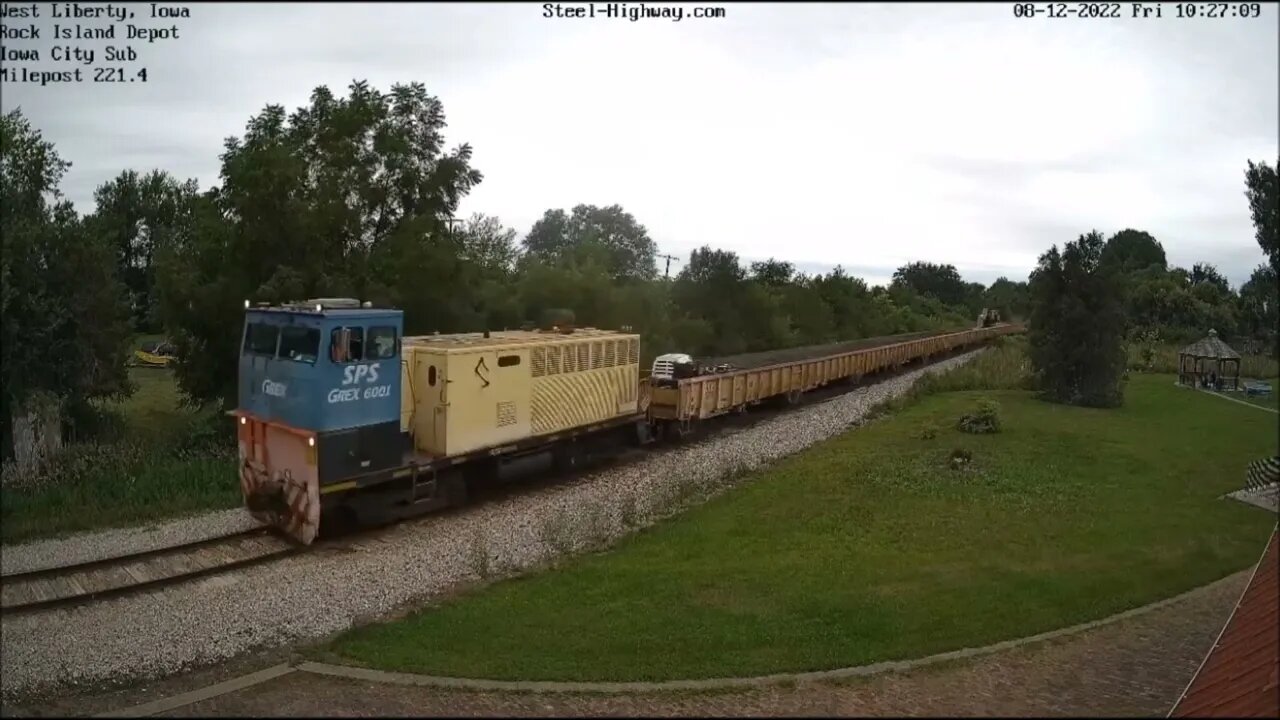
(354, 375)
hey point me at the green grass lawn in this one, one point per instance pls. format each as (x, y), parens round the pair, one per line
(143, 476)
(153, 411)
(868, 548)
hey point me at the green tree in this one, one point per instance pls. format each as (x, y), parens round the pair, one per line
(1130, 250)
(773, 273)
(1260, 307)
(489, 253)
(610, 234)
(849, 302)
(710, 289)
(1206, 274)
(347, 196)
(64, 319)
(1263, 193)
(1010, 298)
(1077, 327)
(812, 319)
(974, 297)
(940, 282)
(136, 214)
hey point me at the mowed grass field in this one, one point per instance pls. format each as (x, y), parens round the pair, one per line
(869, 548)
(148, 471)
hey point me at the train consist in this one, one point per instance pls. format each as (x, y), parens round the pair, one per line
(343, 418)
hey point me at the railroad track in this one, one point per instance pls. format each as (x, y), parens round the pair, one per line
(83, 582)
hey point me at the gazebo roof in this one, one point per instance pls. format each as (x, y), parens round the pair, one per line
(1210, 347)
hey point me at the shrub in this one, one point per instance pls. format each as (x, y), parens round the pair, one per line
(207, 435)
(960, 459)
(928, 432)
(93, 422)
(74, 465)
(986, 419)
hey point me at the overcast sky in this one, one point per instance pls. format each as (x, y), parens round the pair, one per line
(860, 134)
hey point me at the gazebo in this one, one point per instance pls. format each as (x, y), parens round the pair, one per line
(1209, 361)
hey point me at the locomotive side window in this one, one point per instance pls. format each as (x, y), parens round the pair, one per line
(260, 339)
(382, 342)
(508, 360)
(300, 344)
(431, 375)
(346, 344)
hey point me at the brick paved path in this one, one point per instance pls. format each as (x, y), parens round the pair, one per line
(1136, 666)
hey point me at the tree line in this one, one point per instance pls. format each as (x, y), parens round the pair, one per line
(356, 196)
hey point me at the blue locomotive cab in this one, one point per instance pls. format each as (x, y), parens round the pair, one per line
(319, 403)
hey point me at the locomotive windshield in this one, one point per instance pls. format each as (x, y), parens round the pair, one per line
(260, 339)
(299, 344)
(291, 342)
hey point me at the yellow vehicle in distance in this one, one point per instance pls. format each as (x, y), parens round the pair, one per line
(155, 353)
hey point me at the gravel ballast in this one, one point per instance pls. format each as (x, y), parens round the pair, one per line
(99, 545)
(314, 595)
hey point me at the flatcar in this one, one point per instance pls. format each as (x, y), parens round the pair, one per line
(344, 420)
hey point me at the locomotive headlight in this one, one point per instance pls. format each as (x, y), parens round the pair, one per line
(319, 307)
(244, 421)
(311, 441)
(246, 303)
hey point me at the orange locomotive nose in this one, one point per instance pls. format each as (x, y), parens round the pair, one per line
(267, 497)
(277, 479)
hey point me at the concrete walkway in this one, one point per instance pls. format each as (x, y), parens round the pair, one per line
(1240, 402)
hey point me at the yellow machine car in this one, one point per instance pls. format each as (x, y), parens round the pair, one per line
(155, 354)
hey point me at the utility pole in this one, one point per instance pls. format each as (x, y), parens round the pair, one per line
(668, 258)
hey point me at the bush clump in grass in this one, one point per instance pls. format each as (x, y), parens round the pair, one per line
(74, 465)
(928, 431)
(985, 420)
(960, 459)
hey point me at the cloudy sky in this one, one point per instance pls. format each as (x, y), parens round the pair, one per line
(866, 135)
